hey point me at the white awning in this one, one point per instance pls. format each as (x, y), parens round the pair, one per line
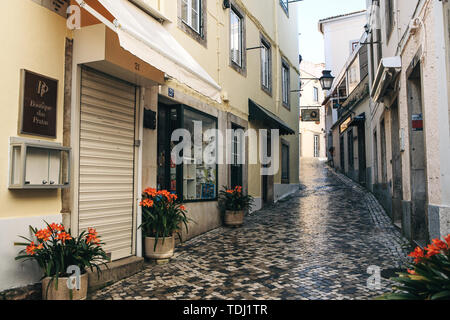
(148, 40)
(386, 73)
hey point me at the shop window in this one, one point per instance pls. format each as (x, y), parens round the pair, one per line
(284, 163)
(195, 179)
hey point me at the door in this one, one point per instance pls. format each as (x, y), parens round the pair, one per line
(419, 226)
(362, 154)
(237, 155)
(107, 157)
(397, 188)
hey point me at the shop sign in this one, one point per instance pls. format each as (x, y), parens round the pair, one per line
(312, 115)
(39, 96)
(417, 122)
(344, 125)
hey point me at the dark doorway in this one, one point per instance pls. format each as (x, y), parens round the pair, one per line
(341, 153)
(419, 229)
(351, 154)
(236, 168)
(362, 167)
(267, 181)
(397, 187)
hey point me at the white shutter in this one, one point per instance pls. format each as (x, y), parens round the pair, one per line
(106, 190)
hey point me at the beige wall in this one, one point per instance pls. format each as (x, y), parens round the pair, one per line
(33, 39)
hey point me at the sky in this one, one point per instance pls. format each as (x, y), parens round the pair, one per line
(310, 12)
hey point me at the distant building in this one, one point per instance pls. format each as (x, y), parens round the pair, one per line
(312, 113)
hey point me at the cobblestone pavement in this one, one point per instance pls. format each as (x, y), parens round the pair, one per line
(317, 244)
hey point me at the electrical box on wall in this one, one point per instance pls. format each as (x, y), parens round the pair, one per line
(36, 164)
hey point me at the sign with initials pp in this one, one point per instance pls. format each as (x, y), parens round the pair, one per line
(38, 98)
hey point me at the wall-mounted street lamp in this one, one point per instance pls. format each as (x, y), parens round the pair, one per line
(326, 80)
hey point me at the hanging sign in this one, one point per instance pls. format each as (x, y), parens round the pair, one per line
(311, 115)
(417, 122)
(38, 96)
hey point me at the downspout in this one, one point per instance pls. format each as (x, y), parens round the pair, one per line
(278, 59)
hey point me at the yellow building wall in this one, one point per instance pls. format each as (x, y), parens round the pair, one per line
(271, 21)
(33, 39)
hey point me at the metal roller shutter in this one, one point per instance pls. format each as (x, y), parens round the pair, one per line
(106, 181)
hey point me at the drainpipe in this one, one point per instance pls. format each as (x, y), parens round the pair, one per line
(278, 58)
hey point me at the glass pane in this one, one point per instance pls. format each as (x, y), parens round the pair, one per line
(184, 11)
(235, 34)
(195, 21)
(199, 177)
(37, 166)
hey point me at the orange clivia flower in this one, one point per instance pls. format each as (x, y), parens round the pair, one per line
(55, 227)
(418, 254)
(447, 239)
(411, 272)
(43, 234)
(435, 248)
(147, 203)
(183, 208)
(150, 192)
(31, 248)
(63, 236)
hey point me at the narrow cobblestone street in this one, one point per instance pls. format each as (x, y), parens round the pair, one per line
(317, 244)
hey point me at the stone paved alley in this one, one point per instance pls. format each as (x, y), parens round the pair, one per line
(317, 244)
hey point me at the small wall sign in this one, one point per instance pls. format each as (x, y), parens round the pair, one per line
(417, 122)
(171, 93)
(38, 96)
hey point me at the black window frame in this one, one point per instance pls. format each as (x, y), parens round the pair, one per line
(284, 179)
(265, 43)
(238, 167)
(285, 65)
(180, 108)
(241, 69)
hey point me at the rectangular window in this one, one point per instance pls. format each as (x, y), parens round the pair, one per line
(236, 37)
(285, 76)
(195, 179)
(316, 146)
(284, 163)
(316, 94)
(190, 13)
(266, 66)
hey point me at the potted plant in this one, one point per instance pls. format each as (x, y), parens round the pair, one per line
(59, 254)
(162, 217)
(235, 204)
(428, 277)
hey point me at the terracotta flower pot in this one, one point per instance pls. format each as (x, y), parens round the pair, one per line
(164, 249)
(234, 218)
(62, 292)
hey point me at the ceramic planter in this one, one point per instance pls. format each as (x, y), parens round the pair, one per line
(62, 292)
(234, 218)
(164, 249)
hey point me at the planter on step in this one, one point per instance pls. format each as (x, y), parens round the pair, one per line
(165, 248)
(234, 218)
(62, 291)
